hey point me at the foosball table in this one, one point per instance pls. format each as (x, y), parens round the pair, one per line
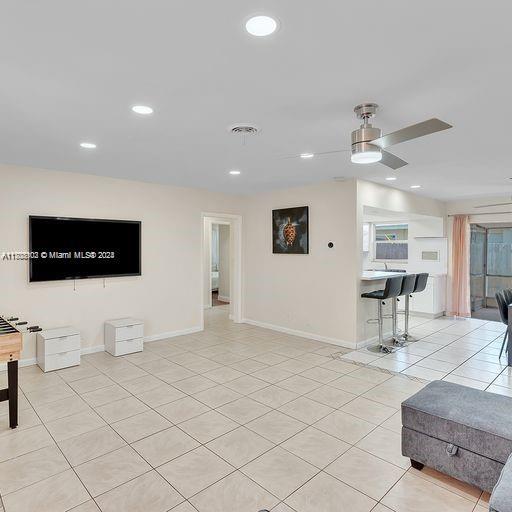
(11, 345)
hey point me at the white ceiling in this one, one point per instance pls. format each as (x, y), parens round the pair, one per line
(71, 71)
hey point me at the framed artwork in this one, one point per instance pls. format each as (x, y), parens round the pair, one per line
(290, 230)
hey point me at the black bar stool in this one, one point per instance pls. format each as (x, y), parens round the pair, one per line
(504, 298)
(391, 290)
(408, 287)
(508, 295)
(420, 285)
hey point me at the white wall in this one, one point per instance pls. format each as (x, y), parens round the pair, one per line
(371, 194)
(313, 293)
(433, 227)
(224, 262)
(168, 294)
(319, 294)
(419, 227)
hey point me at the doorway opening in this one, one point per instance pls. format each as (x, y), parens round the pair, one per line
(221, 265)
(490, 267)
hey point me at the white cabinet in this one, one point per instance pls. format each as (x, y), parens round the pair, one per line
(58, 348)
(432, 301)
(124, 336)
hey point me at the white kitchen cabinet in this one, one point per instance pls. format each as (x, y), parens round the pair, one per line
(432, 301)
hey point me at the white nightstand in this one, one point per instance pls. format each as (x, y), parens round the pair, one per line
(124, 336)
(58, 348)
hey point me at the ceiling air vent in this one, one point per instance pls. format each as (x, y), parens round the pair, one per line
(243, 129)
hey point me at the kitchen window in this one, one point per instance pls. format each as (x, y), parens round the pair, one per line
(391, 242)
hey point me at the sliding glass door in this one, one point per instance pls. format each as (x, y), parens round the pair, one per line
(499, 262)
(477, 267)
(490, 264)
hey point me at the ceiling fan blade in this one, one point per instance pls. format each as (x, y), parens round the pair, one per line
(392, 161)
(318, 154)
(411, 132)
(489, 205)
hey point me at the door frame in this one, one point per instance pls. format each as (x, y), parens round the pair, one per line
(235, 270)
(486, 275)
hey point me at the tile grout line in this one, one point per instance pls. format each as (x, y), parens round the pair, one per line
(303, 395)
(440, 331)
(66, 459)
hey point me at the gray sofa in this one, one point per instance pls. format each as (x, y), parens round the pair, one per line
(501, 497)
(463, 432)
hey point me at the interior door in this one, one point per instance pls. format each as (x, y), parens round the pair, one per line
(477, 266)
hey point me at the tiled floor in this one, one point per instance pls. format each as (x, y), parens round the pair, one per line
(237, 419)
(465, 351)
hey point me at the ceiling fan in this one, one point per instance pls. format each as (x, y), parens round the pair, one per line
(368, 143)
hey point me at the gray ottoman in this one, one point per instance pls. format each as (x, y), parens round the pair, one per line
(501, 498)
(460, 431)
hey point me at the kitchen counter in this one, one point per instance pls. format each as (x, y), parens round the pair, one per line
(376, 275)
(430, 303)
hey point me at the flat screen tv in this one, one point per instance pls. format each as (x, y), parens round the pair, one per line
(71, 248)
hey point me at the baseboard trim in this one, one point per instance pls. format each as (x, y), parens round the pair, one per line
(92, 350)
(429, 316)
(171, 334)
(33, 360)
(22, 362)
(373, 341)
(300, 334)
(388, 334)
(101, 348)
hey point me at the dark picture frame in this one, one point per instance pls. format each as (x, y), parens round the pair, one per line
(290, 230)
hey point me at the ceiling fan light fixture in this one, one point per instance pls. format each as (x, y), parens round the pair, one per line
(362, 151)
(366, 157)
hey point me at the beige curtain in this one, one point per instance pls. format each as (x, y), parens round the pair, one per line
(460, 293)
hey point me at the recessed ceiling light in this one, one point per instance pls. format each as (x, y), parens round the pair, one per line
(87, 145)
(391, 178)
(307, 155)
(415, 186)
(261, 26)
(142, 109)
(234, 173)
